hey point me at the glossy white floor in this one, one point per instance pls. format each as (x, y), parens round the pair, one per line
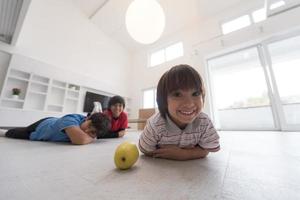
(251, 165)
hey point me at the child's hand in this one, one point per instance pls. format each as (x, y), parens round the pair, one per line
(176, 153)
(170, 152)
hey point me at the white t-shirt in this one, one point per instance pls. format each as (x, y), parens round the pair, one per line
(160, 131)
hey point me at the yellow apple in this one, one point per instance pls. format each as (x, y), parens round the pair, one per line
(126, 155)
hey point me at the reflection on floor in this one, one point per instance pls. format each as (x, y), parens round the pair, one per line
(251, 165)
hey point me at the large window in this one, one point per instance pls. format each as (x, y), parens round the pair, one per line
(236, 24)
(271, 7)
(240, 91)
(149, 98)
(167, 54)
(257, 88)
(285, 58)
(243, 21)
(276, 5)
(259, 15)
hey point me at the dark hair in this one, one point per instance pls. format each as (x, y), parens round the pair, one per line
(100, 122)
(178, 77)
(116, 99)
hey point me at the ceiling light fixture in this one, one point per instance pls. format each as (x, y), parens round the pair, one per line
(145, 21)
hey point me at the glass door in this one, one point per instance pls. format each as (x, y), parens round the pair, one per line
(240, 92)
(284, 61)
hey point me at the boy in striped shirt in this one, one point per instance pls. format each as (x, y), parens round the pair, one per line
(180, 131)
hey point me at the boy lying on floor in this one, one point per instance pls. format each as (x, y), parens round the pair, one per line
(74, 128)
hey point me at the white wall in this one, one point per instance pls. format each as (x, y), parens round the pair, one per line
(203, 41)
(57, 33)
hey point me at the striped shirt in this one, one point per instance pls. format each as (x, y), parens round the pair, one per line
(160, 131)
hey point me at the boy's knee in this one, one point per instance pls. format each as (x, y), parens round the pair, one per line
(9, 133)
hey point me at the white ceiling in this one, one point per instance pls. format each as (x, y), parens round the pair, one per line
(109, 15)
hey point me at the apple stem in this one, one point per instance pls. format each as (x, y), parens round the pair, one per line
(123, 159)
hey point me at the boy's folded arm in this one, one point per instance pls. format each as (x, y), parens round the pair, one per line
(196, 152)
(144, 151)
(110, 134)
(77, 136)
(148, 153)
(176, 153)
(114, 134)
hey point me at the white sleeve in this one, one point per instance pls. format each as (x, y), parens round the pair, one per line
(148, 138)
(210, 138)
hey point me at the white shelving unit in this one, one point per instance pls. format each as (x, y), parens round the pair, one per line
(15, 79)
(46, 91)
(56, 95)
(72, 98)
(39, 93)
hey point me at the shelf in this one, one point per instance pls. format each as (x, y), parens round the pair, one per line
(43, 88)
(9, 108)
(58, 87)
(15, 83)
(18, 78)
(72, 99)
(40, 79)
(12, 104)
(12, 99)
(36, 92)
(35, 101)
(19, 74)
(55, 105)
(72, 94)
(40, 83)
(56, 96)
(73, 87)
(37, 87)
(43, 93)
(59, 84)
(55, 108)
(72, 90)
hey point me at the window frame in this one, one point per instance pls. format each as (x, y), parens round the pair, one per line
(154, 97)
(250, 15)
(234, 19)
(262, 42)
(164, 49)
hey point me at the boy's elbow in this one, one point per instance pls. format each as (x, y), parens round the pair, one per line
(79, 143)
(82, 141)
(121, 133)
(146, 153)
(215, 149)
(204, 155)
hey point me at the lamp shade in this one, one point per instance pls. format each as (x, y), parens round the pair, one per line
(145, 21)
